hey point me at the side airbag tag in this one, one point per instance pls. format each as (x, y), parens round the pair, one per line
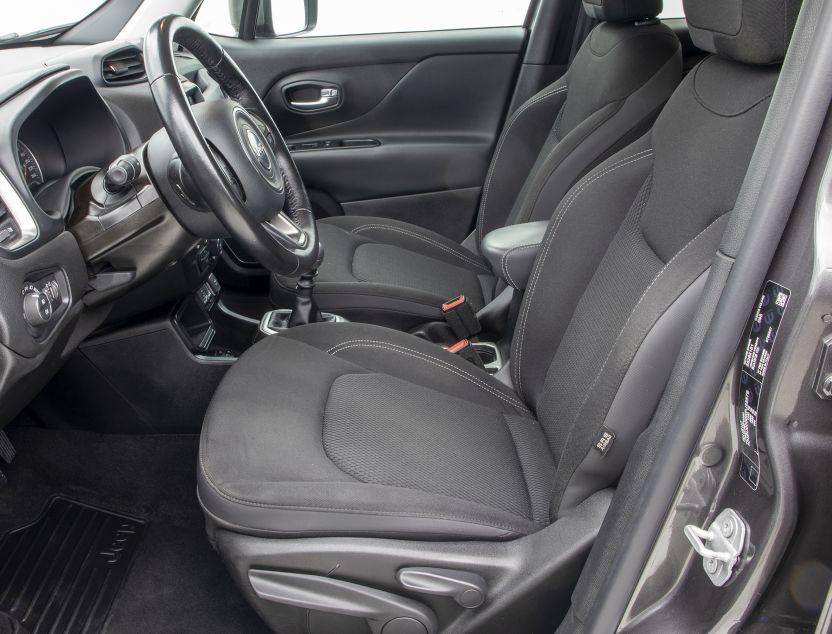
(605, 441)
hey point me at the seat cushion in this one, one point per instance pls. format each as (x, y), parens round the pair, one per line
(390, 273)
(349, 429)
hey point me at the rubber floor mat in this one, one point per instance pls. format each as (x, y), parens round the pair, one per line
(62, 572)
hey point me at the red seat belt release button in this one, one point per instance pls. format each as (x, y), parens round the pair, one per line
(464, 349)
(461, 317)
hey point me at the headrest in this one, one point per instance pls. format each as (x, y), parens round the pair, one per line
(750, 31)
(622, 10)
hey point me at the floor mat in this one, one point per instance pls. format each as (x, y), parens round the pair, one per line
(176, 582)
(62, 572)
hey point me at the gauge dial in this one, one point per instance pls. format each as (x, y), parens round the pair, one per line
(29, 167)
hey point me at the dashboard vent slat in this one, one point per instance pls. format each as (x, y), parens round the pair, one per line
(123, 67)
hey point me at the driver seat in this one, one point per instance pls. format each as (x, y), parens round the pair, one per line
(388, 272)
(392, 452)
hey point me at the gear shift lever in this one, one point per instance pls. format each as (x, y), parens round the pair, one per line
(306, 310)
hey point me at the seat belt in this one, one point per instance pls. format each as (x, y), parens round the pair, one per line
(583, 26)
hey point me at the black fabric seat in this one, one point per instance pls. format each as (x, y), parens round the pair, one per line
(376, 431)
(359, 430)
(383, 271)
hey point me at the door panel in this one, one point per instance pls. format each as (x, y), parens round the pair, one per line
(415, 123)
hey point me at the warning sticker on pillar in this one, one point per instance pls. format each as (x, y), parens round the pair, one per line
(761, 334)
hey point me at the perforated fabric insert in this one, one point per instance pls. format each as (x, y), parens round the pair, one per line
(388, 264)
(613, 293)
(434, 442)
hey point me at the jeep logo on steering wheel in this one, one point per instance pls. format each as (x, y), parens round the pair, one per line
(258, 149)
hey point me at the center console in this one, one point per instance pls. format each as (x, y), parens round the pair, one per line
(208, 328)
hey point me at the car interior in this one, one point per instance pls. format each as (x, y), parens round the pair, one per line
(513, 328)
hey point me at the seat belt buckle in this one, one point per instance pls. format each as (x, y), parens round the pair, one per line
(466, 350)
(461, 317)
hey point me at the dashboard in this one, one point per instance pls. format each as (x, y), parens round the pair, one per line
(66, 137)
(69, 247)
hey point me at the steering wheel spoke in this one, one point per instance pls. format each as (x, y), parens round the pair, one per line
(287, 231)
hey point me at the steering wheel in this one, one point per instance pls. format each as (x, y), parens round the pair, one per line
(234, 158)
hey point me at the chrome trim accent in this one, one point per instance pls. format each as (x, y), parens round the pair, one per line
(284, 225)
(329, 97)
(225, 309)
(215, 360)
(285, 314)
(27, 228)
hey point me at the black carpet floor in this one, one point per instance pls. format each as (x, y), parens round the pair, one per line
(177, 582)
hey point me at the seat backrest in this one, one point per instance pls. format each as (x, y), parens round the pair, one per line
(627, 251)
(624, 72)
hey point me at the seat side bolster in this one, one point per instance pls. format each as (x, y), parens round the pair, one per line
(224, 511)
(636, 399)
(599, 136)
(517, 149)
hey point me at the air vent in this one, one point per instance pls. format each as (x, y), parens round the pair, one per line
(123, 67)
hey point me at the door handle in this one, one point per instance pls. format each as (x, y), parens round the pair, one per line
(312, 97)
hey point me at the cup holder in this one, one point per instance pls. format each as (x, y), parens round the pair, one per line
(490, 355)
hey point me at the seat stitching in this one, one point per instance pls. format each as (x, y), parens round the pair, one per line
(436, 362)
(524, 470)
(229, 496)
(633, 311)
(566, 204)
(507, 254)
(493, 167)
(571, 198)
(323, 288)
(370, 343)
(424, 238)
(553, 169)
(459, 518)
(337, 462)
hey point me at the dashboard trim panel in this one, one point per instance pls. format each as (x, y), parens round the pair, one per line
(27, 229)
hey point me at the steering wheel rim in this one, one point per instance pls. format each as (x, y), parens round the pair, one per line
(244, 176)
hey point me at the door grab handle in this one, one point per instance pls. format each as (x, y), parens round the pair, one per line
(329, 98)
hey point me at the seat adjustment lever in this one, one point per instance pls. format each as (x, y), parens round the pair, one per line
(385, 613)
(467, 588)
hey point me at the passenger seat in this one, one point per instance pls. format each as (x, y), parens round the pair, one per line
(396, 274)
